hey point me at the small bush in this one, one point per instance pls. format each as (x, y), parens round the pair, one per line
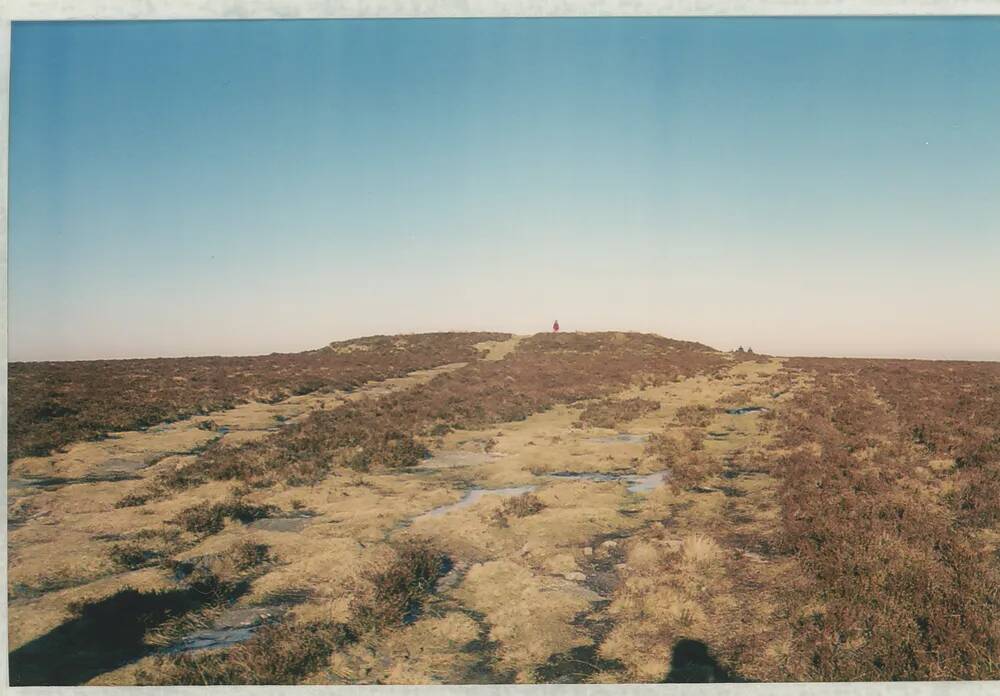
(519, 506)
(136, 499)
(609, 413)
(133, 555)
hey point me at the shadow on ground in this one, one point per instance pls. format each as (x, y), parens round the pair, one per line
(107, 634)
(691, 662)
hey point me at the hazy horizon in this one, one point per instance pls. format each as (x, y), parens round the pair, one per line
(801, 186)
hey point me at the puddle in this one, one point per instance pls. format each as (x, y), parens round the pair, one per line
(119, 466)
(208, 640)
(588, 476)
(637, 483)
(647, 483)
(474, 495)
(233, 626)
(620, 437)
(744, 410)
(50, 482)
(281, 524)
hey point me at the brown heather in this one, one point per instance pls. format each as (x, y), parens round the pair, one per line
(55, 403)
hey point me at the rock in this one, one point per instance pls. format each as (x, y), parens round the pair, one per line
(609, 544)
(589, 551)
(575, 576)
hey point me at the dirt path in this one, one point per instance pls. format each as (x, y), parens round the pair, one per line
(498, 350)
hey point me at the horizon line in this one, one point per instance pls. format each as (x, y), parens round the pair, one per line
(512, 334)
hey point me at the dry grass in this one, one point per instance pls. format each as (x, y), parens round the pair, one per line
(668, 592)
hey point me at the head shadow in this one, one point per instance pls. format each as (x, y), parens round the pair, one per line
(691, 662)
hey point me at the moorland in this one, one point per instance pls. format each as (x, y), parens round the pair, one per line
(488, 508)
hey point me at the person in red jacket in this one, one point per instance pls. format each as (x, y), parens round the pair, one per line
(555, 326)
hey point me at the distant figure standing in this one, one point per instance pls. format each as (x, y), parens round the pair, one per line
(555, 326)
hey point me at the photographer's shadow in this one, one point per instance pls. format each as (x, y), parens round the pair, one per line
(691, 662)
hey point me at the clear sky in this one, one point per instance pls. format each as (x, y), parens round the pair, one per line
(806, 187)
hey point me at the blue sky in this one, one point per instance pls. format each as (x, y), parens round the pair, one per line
(807, 187)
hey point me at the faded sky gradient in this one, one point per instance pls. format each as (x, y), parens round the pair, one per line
(807, 187)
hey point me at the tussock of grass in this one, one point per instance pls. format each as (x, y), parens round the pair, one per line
(205, 520)
(280, 654)
(393, 588)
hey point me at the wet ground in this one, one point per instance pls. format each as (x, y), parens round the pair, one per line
(548, 596)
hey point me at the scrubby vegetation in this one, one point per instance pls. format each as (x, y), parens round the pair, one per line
(687, 465)
(385, 433)
(610, 413)
(55, 403)
(898, 590)
(695, 415)
(848, 532)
